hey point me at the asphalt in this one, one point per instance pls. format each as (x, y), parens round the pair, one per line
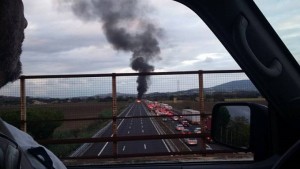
(130, 127)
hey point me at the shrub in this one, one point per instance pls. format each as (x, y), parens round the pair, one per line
(40, 122)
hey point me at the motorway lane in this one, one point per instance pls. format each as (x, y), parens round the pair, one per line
(138, 127)
(131, 127)
(209, 146)
(97, 148)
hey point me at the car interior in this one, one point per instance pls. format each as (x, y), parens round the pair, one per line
(274, 133)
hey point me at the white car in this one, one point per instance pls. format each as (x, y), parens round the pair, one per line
(197, 130)
(191, 141)
(179, 127)
(175, 118)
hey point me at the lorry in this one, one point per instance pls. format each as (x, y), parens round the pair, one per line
(193, 116)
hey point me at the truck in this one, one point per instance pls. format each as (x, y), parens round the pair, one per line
(192, 119)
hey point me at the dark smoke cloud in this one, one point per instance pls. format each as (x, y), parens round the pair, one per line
(126, 29)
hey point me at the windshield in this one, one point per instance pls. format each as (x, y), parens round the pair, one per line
(119, 115)
(284, 16)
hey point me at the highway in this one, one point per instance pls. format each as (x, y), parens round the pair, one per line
(130, 127)
(138, 127)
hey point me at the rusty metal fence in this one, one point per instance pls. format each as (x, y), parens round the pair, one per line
(77, 108)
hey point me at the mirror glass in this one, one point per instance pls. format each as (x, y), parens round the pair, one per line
(232, 126)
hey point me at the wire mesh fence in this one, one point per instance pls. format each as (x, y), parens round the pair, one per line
(70, 114)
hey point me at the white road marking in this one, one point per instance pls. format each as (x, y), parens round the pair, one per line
(102, 149)
(112, 134)
(142, 131)
(145, 146)
(128, 132)
(124, 148)
(160, 134)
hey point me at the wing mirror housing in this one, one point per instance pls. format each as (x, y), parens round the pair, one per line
(242, 126)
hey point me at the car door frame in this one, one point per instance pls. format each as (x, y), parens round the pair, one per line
(250, 39)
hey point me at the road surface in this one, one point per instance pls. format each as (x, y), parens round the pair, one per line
(138, 127)
(130, 127)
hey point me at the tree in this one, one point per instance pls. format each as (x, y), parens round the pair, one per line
(241, 131)
(222, 122)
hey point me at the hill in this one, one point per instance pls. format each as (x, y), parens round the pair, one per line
(233, 86)
(239, 85)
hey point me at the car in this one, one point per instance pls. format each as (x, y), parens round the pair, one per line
(179, 127)
(197, 130)
(186, 131)
(185, 123)
(175, 118)
(191, 141)
(164, 119)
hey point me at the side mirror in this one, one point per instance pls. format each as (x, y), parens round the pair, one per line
(242, 126)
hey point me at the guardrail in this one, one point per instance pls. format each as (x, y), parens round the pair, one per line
(200, 102)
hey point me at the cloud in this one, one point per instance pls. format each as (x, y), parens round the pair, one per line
(208, 60)
(189, 62)
(54, 35)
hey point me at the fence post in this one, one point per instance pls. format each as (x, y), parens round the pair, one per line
(201, 108)
(23, 114)
(201, 92)
(114, 114)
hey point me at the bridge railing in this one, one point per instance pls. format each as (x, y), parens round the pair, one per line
(70, 113)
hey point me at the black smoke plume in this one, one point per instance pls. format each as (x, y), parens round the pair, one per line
(127, 29)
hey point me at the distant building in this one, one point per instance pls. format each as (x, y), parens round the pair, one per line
(37, 102)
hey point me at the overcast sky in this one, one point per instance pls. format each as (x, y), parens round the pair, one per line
(58, 42)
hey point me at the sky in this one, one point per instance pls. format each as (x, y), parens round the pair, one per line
(59, 42)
